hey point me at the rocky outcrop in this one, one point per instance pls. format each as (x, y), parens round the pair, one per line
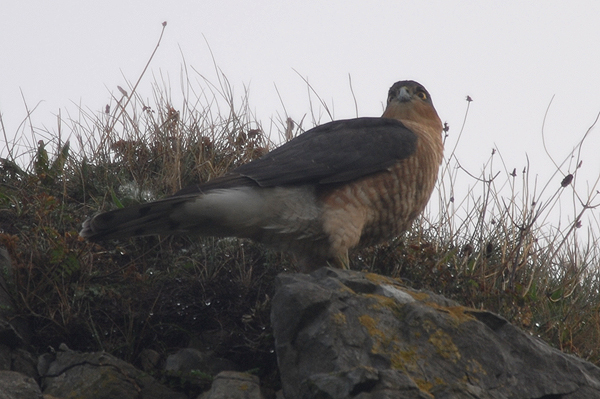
(233, 385)
(188, 359)
(345, 334)
(99, 375)
(14, 385)
(338, 334)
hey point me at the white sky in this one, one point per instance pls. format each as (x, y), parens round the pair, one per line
(511, 57)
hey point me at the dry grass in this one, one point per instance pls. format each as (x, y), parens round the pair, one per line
(487, 245)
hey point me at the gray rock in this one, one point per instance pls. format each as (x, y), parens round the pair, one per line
(345, 334)
(44, 362)
(100, 376)
(15, 385)
(233, 385)
(149, 360)
(18, 360)
(185, 360)
(24, 363)
(189, 359)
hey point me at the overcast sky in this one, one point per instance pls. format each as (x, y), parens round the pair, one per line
(511, 57)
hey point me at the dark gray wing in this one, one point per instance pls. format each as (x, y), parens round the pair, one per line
(335, 152)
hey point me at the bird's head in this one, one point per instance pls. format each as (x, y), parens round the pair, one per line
(410, 101)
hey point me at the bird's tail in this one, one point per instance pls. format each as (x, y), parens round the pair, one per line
(229, 212)
(139, 220)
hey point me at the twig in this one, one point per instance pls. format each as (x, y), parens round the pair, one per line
(164, 25)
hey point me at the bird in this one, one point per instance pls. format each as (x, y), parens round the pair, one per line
(339, 186)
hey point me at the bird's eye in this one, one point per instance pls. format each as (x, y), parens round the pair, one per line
(422, 95)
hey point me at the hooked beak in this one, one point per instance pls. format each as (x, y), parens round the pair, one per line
(404, 94)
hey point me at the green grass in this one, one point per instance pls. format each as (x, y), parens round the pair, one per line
(487, 245)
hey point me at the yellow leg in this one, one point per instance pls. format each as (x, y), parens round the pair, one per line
(342, 261)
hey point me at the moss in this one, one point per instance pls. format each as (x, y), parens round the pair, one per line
(382, 340)
(439, 381)
(371, 325)
(404, 359)
(424, 385)
(381, 302)
(339, 319)
(458, 314)
(385, 343)
(473, 369)
(379, 279)
(444, 346)
(244, 387)
(419, 296)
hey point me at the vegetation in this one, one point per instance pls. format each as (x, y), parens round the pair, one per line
(488, 248)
